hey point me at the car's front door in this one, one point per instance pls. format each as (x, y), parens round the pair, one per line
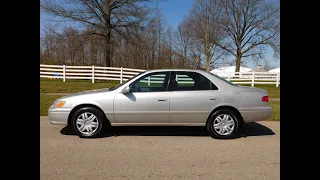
(148, 101)
(192, 97)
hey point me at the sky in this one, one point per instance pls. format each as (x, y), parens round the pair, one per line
(174, 11)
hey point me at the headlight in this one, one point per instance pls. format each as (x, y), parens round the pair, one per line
(58, 104)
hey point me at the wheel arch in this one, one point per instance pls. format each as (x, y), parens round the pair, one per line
(77, 107)
(229, 107)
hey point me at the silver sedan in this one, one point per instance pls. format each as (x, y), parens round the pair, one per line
(166, 97)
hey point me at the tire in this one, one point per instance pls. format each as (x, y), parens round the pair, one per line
(88, 126)
(228, 129)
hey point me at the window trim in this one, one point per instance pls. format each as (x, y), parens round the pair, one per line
(167, 73)
(176, 72)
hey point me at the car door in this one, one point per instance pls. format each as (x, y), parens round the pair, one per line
(148, 101)
(192, 97)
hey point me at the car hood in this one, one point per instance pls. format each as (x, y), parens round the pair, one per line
(85, 93)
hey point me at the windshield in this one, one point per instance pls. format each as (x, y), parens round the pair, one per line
(119, 85)
(223, 79)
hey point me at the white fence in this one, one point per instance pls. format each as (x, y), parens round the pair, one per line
(87, 72)
(122, 74)
(251, 77)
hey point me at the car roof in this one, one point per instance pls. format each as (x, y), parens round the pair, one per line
(189, 70)
(222, 84)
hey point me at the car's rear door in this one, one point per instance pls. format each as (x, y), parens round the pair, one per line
(192, 98)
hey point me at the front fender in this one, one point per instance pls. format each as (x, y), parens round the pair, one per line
(108, 112)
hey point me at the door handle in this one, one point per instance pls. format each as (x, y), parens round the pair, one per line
(162, 99)
(213, 99)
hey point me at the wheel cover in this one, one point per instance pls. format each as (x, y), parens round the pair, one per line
(223, 124)
(87, 123)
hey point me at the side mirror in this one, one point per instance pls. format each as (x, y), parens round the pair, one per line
(126, 90)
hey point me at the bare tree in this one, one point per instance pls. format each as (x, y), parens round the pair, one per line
(202, 23)
(250, 26)
(103, 16)
(169, 40)
(160, 33)
(182, 41)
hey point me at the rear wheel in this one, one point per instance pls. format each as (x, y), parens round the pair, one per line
(223, 124)
(88, 122)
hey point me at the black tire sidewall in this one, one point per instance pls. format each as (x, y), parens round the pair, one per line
(94, 111)
(214, 134)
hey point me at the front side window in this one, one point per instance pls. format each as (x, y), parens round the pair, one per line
(119, 85)
(190, 81)
(153, 82)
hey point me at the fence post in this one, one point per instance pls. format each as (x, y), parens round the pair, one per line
(92, 73)
(278, 78)
(121, 74)
(252, 84)
(64, 73)
(149, 81)
(229, 76)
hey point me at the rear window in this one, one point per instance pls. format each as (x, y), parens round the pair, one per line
(223, 79)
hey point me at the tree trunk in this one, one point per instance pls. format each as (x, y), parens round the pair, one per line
(170, 58)
(238, 60)
(207, 53)
(107, 51)
(152, 59)
(207, 62)
(185, 59)
(159, 51)
(108, 35)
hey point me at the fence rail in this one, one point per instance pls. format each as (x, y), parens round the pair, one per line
(122, 74)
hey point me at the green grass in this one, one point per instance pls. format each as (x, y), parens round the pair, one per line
(276, 111)
(45, 102)
(72, 86)
(273, 91)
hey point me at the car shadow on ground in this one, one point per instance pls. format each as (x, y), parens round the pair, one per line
(248, 129)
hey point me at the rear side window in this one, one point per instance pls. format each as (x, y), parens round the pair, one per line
(190, 81)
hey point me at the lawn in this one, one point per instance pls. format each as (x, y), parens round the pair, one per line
(45, 102)
(276, 110)
(273, 91)
(72, 86)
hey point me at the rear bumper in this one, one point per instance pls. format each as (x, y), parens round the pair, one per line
(59, 116)
(256, 114)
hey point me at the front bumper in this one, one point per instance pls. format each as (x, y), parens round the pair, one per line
(59, 116)
(256, 114)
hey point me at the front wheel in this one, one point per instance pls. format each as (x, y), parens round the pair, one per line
(223, 124)
(88, 122)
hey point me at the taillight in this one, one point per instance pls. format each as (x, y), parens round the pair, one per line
(265, 99)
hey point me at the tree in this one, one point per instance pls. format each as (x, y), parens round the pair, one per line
(169, 38)
(202, 22)
(104, 17)
(249, 26)
(182, 41)
(160, 33)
